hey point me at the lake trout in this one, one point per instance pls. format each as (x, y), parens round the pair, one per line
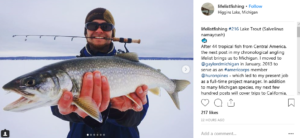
(44, 87)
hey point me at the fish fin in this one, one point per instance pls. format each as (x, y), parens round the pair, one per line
(180, 85)
(74, 89)
(175, 99)
(88, 105)
(128, 96)
(129, 56)
(155, 91)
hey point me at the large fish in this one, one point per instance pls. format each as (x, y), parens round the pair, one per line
(124, 73)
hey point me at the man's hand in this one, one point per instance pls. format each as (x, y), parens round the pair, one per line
(93, 85)
(96, 86)
(123, 103)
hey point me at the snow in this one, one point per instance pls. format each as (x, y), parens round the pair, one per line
(163, 119)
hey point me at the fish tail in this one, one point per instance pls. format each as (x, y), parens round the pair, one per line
(88, 105)
(180, 85)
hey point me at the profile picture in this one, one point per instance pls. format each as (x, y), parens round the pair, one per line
(207, 9)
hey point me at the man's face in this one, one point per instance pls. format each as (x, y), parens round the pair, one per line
(98, 43)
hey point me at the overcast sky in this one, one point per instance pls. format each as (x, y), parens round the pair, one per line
(208, 6)
(164, 27)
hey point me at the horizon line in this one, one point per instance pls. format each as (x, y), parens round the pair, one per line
(71, 57)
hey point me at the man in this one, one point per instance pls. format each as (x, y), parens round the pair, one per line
(120, 115)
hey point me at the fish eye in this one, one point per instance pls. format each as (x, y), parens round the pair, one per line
(30, 82)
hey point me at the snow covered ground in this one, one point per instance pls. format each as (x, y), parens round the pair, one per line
(162, 120)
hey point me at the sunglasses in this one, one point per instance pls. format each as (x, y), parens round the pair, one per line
(93, 26)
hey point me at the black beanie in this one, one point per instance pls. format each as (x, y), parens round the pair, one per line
(103, 14)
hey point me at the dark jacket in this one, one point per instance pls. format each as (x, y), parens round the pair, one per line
(116, 124)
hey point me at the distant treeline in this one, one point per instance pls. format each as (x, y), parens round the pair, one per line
(71, 57)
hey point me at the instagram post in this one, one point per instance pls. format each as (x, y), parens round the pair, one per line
(114, 69)
(246, 70)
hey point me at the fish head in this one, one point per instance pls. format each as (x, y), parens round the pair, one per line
(36, 89)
